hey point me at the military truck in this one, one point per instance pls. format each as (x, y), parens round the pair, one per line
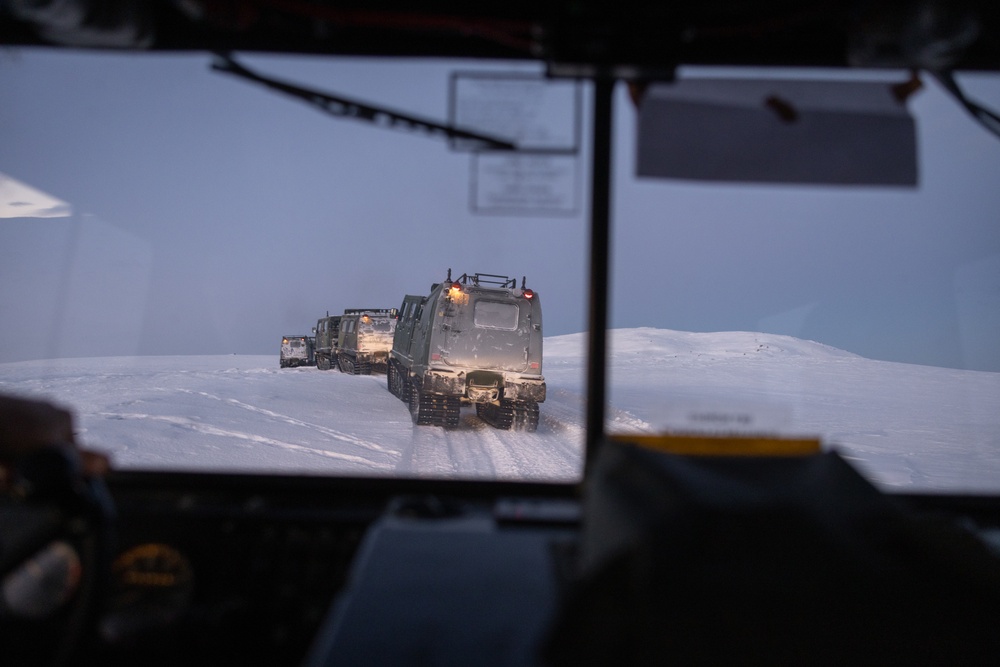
(475, 340)
(296, 351)
(365, 339)
(327, 330)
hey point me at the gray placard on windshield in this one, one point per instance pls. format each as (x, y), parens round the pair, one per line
(777, 131)
(534, 113)
(541, 118)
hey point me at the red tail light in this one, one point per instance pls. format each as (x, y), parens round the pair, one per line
(527, 293)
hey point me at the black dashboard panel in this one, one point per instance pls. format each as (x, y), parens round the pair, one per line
(288, 571)
(243, 569)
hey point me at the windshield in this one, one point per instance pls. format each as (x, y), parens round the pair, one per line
(153, 208)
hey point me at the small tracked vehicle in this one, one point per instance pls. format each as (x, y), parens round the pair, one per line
(326, 331)
(476, 341)
(296, 351)
(364, 340)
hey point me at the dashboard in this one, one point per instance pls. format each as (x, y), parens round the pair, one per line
(205, 569)
(244, 570)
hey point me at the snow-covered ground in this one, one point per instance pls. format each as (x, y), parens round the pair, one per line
(907, 427)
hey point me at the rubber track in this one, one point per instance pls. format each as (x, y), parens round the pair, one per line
(396, 383)
(510, 415)
(434, 409)
(352, 367)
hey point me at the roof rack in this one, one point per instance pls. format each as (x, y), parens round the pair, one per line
(479, 279)
(371, 311)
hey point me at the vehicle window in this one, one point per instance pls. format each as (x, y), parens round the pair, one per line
(495, 315)
(864, 316)
(159, 203)
(150, 207)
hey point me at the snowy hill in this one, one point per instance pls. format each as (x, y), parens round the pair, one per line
(905, 426)
(662, 344)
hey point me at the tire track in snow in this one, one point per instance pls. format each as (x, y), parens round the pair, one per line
(561, 421)
(476, 447)
(325, 430)
(525, 455)
(510, 462)
(207, 429)
(428, 454)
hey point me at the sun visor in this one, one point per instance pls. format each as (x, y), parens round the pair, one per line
(777, 131)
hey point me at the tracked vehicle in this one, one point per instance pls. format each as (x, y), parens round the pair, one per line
(365, 339)
(475, 340)
(326, 332)
(296, 351)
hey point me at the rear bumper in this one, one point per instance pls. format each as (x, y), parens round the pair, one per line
(511, 386)
(380, 357)
(525, 389)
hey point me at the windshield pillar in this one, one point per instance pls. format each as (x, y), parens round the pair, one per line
(600, 233)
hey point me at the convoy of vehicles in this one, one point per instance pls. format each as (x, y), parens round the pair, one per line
(473, 340)
(297, 351)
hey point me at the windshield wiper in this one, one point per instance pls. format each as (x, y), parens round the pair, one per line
(343, 107)
(987, 118)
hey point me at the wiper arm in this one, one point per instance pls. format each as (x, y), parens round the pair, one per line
(987, 118)
(346, 108)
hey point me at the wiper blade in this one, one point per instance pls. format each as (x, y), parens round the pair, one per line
(987, 118)
(343, 107)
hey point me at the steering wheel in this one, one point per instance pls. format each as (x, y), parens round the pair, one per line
(56, 538)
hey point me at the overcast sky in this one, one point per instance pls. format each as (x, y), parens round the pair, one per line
(210, 215)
